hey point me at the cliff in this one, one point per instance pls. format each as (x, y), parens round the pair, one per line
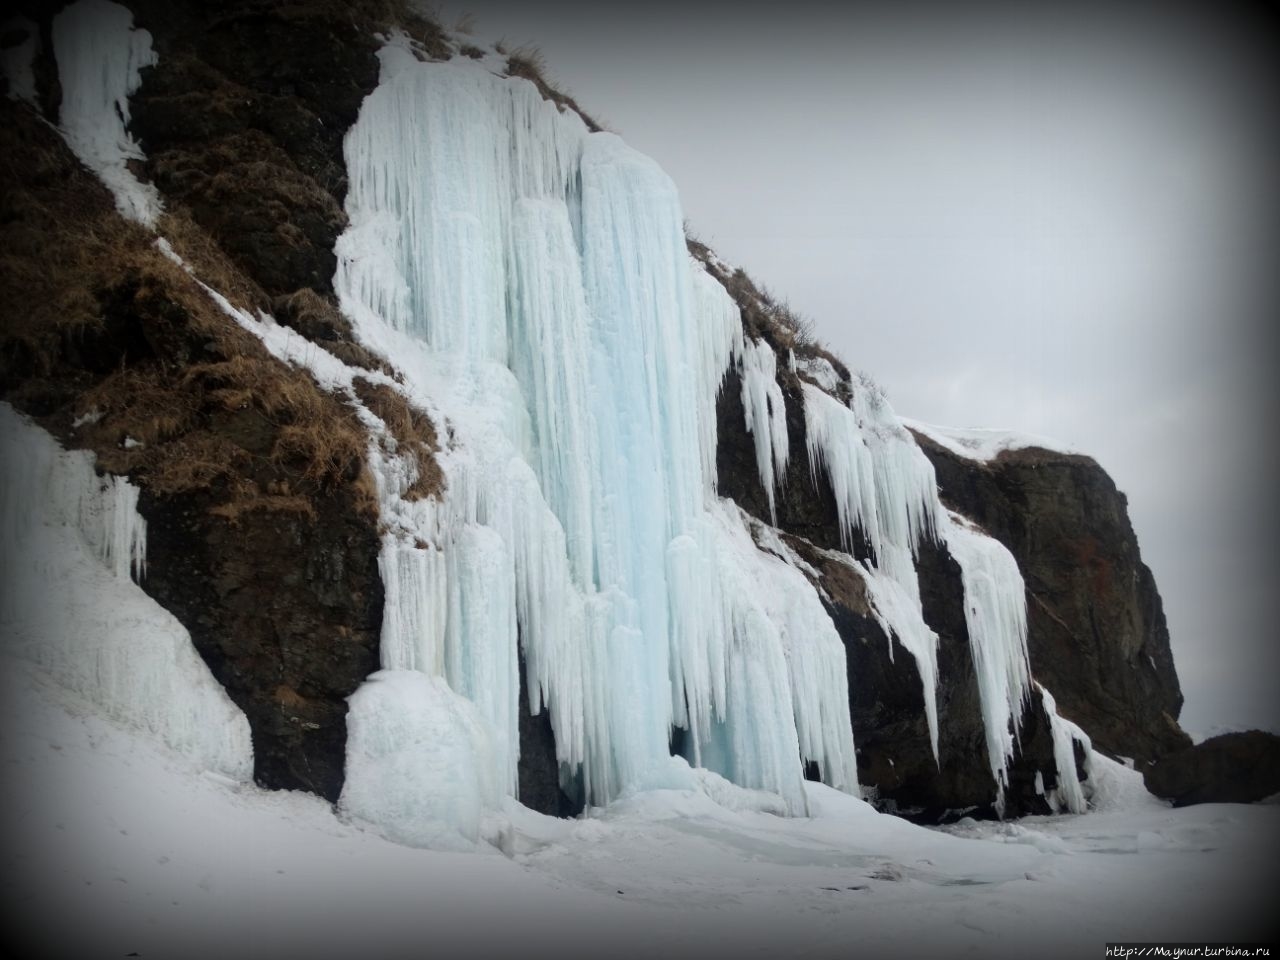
(274, 539)
(1097, 631)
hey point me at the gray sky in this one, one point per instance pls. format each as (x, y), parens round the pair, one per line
(1047, 223)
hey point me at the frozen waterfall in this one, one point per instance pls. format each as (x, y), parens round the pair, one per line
(532, 282)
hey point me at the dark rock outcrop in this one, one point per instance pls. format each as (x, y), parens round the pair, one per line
(1096, 629)
(1231, 768)
(287, 611)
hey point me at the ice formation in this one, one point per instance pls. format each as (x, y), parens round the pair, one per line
(1069, 792)
(70, 545)
(885, 492)
(100, 56)
(420, 761)
(533, 284)
(766, 416)
(995, 611)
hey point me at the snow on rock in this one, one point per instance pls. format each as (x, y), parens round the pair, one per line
(69, 544)
(995, 610)
(100, 56)
(419, 761)
(819, 370)
(974, 443)
(766, 416)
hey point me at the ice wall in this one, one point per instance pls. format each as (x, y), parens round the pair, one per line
(70, 544)
(531, 281)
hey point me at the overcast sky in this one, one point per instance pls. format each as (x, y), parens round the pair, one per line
(1050, 223)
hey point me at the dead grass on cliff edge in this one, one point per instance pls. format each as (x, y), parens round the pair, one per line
(97, 325)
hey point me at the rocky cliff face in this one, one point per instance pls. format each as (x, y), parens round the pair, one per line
(1096, 629)
(264, 536)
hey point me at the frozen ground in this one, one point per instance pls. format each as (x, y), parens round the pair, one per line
(116, 845)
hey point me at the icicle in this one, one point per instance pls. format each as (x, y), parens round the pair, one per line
(766, 414)
(1068, 792)
(719, 326)
(995, 610)
(885, 489)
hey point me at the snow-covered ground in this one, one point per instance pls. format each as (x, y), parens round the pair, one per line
(115, 844)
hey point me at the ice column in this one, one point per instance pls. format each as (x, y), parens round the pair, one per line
(766, 415)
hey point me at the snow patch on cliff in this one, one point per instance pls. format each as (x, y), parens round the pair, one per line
(982, 444)
(100, 57)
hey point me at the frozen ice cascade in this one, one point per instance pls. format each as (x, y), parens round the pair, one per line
(532, 281)
(766, 416)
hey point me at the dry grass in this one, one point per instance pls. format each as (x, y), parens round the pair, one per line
(413, 431)
(765, 316)
(318, 319)
(95, 319)
(528, 62)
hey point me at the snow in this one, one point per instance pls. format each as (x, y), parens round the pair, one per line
(69, 545)
(100, 56)
(974, 443)
(16, 61)
(819, 370)
(124, 835)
